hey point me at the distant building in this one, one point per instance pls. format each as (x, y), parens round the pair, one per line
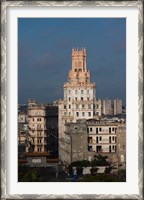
(117, 106)
(22, 126)
(22, 117)
(99, 107)
(107, 107)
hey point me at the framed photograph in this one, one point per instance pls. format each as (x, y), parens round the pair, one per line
(72, 100)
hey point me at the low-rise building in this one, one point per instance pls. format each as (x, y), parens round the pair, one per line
(87, 138)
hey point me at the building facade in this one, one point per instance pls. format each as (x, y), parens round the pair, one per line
(107, 107)
(117, 106)
(121, 140)
(86, 138)
(52, 129)
(98, 107)
(79, 96)
(76, 142)
(102, 137)
(37, 138)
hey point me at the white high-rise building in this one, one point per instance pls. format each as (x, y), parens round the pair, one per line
(117, 106)
(79, 97)
(107, 107)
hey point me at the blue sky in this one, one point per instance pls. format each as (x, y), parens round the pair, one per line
(44, 55)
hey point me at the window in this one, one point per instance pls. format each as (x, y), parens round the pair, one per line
(83, 106)
(81, 98)
(97, 139)
(83, 114)
(77, 114)
(109, 139)
(39, 149)
(96, 130)
(39, 141)
(64, 106)
(110, 149)
(89, 113)
(89, 139)
(113, 147)
(87, 130)
(76, 98)
(69, 98)
(110, 130)
(90, 129)
(87, 98)
(33, 119)
(89, 148)
(100, 129)
(100, 138)
(69, 106)
(113, 129)
(113, 138)
(75, 70)
(98, 149)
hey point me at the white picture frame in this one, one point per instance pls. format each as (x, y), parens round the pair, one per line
(6, 106)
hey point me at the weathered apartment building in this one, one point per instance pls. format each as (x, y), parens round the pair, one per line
(86, 138)
(36, 127)
(42, 133)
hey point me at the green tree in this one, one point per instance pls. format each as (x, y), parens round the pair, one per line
(100, 160)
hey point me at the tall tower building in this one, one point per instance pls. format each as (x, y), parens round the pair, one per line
(79, 96)
(117, 106)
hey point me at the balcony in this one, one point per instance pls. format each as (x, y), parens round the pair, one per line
(31, 128)
(39, 129)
